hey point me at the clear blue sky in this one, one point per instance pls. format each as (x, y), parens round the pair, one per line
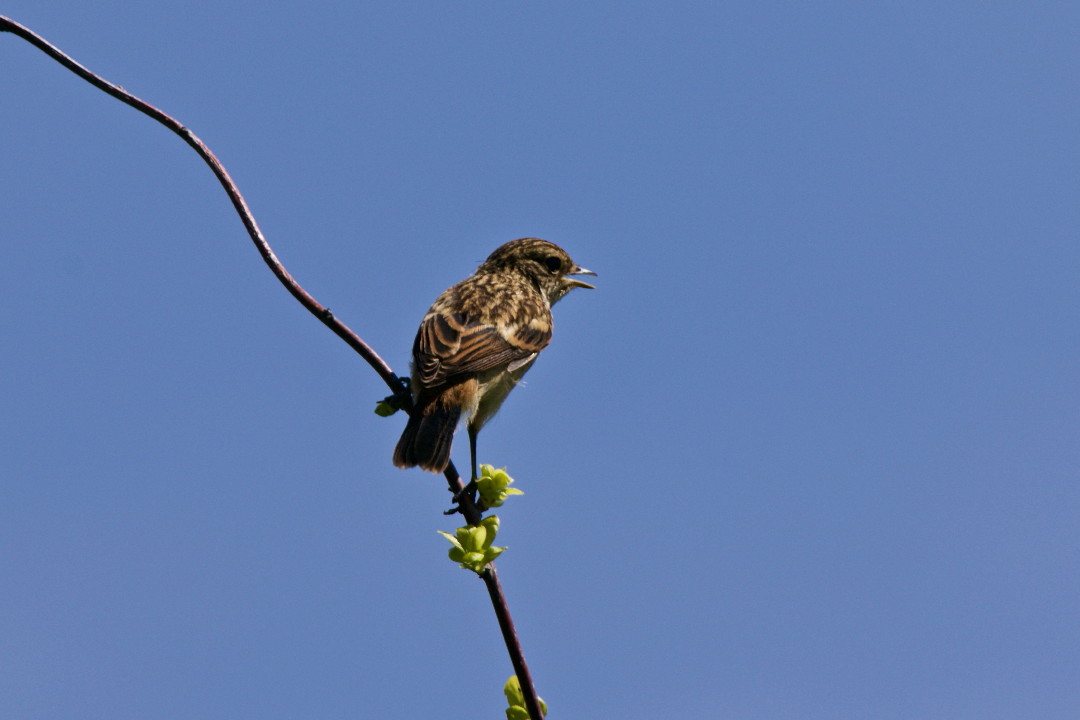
(811, 450)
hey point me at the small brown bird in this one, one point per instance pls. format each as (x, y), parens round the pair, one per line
(476, 342)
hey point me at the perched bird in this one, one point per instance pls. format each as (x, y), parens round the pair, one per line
(475, 343)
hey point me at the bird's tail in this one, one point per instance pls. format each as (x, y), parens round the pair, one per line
(427, 438)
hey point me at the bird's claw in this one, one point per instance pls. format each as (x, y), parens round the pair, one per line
(469, 491)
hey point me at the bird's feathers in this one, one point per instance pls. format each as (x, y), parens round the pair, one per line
(474, 339)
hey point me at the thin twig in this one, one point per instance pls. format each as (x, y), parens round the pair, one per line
(468, 509)
(513, 645)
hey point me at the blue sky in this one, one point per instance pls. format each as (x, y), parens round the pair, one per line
(810, 450)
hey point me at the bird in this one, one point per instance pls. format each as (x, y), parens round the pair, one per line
(476, 342)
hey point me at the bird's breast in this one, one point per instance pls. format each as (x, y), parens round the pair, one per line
(495, 385)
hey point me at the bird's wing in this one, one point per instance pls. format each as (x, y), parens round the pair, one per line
(449, 344)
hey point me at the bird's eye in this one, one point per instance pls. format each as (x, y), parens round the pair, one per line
(553, 263)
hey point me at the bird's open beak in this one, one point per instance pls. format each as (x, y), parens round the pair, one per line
(574, 282)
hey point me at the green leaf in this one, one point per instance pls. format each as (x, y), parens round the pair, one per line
(450, 537)
(487, 530)
(384, 409)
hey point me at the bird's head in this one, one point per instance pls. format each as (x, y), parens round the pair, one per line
(544, 263)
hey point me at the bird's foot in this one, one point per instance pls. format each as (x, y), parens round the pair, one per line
(469, 491)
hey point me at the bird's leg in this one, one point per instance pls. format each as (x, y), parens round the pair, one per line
(470, 489)
(472, 453)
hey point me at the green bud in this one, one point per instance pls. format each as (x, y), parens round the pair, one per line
(494, 486)
(516, 700)
(512, 691)
(472, 548)
(384, 409)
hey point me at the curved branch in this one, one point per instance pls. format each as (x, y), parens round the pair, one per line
(339, 328)
(393, 381)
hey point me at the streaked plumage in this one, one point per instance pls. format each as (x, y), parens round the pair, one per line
(476, 342)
